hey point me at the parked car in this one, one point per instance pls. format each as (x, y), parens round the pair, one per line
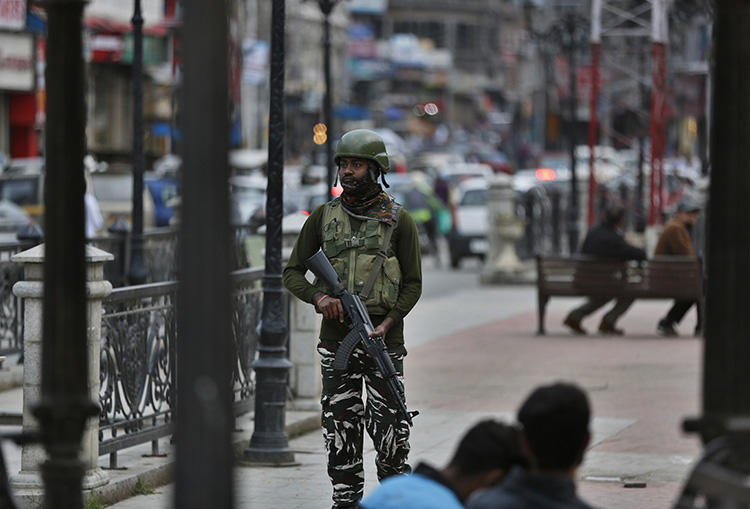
(469, 235)
(114, 193)
(12, 219)
(22, 183)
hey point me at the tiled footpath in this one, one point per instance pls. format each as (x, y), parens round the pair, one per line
(474, 353)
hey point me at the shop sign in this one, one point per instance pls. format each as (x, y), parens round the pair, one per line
(16, 61)
(13, 14)
(106, 47)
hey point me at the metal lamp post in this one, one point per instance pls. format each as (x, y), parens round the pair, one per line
(65, 403)
(570, 32)
(326, 7)
(137, 271)
(269, 443)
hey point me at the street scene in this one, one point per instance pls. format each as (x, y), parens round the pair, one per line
(373, 254)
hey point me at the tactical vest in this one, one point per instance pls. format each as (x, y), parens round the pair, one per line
(352, 255)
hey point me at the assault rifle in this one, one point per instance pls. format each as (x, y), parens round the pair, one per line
(360, 327)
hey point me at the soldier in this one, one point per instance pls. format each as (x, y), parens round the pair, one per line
(363, 233)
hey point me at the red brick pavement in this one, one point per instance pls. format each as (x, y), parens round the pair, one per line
(641, 376)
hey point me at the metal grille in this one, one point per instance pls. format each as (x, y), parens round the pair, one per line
(137, 365)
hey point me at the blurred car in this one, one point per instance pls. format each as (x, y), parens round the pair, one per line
(496, 160)
(114, 194)
(248, 197)
(22, 183)
(469, 235)
(454, 173)
(12, 219)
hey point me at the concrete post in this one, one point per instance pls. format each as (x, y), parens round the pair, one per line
(501, 264)
(31, 290)
(304, 326)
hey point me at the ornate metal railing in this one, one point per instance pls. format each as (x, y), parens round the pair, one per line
(11, 307)
(137, 389)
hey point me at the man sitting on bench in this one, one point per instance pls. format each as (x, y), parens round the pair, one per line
(606, 240)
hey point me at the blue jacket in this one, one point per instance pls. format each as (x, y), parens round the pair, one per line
(526, 490)
(424, 489)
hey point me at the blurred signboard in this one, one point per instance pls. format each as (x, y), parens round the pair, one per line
(13, 14)
(368, 6)
(16, 61)
(254, 61)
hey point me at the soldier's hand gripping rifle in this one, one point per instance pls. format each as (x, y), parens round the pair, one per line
(360, 329)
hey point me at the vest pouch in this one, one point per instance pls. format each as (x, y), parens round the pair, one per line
(333, 238)
(392, 282)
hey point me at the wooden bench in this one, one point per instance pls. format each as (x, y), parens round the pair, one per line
(661, 277)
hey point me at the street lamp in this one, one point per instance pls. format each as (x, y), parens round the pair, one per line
(326, 7)
(569, 32)
(269, 443)
(137, 270)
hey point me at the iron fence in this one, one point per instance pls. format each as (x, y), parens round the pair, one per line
(137, 365)
(11, 307)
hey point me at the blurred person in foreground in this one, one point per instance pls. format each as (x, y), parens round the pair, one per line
(372, 243)
(607, 241)
(675, 241)
(555, 434)
(485, 454)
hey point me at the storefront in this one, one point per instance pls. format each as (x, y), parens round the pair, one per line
(18, 136)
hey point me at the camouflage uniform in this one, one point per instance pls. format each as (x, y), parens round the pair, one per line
(345, 416)
(352, 239)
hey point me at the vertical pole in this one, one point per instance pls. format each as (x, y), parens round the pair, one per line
(640, 221)
(65, 404)
(656, 131)
(137, 272)
(573, 212)
(269, 443)
(205, 421)
(726, 379)
(326, 6)
(596, 29)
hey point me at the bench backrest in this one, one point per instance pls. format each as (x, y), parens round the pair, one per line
(678, 277)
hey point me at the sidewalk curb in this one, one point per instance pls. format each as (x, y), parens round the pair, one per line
(160, 475)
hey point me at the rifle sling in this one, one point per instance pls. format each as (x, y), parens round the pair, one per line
(381, 256)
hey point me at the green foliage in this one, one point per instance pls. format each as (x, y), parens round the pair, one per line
(141, 487)
(93, 502)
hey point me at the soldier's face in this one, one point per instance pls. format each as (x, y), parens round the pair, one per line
(353, 173)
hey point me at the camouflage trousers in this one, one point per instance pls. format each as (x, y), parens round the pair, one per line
(345, 417)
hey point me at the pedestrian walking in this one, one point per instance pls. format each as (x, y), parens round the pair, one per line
(555, 434)
(372, 243)
(606, 240)
(485, 454)
(675, 241)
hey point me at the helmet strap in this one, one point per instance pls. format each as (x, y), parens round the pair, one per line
(382, 178)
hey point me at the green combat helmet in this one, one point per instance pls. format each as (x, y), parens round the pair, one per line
(365, 144)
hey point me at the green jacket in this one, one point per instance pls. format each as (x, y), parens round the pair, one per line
(405, 246)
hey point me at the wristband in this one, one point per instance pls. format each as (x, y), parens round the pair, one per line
(317, 302)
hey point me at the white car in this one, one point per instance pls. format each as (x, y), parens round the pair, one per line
(469, 235)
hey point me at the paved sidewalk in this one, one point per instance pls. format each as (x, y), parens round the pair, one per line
(474, 354)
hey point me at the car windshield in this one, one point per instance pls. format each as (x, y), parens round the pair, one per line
(474, 198)
(20, 191)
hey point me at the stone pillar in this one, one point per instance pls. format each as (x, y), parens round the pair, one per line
(505, 228)
(31, 290)
(304, 327)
